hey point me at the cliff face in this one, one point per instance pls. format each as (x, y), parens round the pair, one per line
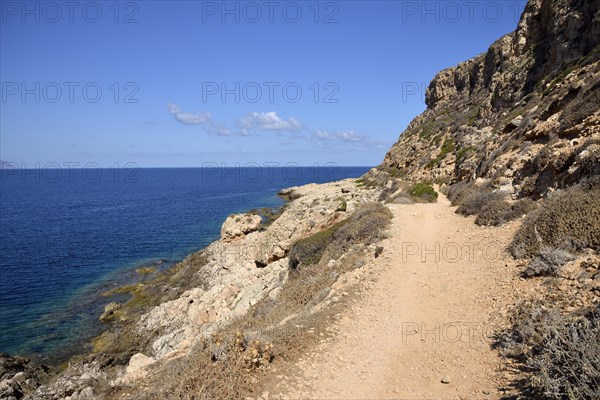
(524, 115)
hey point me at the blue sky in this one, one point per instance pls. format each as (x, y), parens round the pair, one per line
(175, 84)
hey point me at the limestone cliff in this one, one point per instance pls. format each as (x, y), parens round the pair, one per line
(524, 115)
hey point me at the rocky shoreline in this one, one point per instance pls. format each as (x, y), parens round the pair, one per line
(170, 311)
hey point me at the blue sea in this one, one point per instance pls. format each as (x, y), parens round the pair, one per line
(67, 235)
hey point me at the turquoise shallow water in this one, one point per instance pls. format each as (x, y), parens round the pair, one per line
(67, 235)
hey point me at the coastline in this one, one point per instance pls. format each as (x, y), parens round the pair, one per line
(116, 257)
(107, 291)
(168, 312)
(128, 305)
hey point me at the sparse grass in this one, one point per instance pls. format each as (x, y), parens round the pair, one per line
(396, 172)
(427, 130)
(462, 154)
(423, 192)
(447, 148)
(368, 183)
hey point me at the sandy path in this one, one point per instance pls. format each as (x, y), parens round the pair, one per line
(440, 290)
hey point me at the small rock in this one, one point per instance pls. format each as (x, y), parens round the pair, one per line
(109, 310)
(20, 377)
(446, 379)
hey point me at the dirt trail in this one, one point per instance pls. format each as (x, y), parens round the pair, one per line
(441, 287)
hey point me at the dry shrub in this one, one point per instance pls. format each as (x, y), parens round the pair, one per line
(389, 192)
(548, 262)
(366, 226)
(493, 212)
(569, 218)
(310, 249)
(401, 198)
(559, 356)
(475, 202)
(458, 191)
(496, 212)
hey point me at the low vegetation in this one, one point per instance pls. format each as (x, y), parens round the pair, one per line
(476, 200)
(447, 148)
(423, 192)
(366, 226)
(491, 208)
(309, 250)
(268, 215)
(569, 219)
(558, 355)
(547, 262)
(498, 212)
(458, 191)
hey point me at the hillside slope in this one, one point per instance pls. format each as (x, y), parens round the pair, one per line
(521, 115)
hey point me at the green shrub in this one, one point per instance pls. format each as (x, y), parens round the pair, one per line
(343, 205)
(567, 219)
(447, 148)
(423, 192)
(559, 356)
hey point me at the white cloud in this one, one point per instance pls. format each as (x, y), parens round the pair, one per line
(345, 140)
(217, 130)
(345, 136)
(268, 121)
(188, 118)
(256, 122)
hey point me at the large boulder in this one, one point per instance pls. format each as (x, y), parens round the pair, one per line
(238, 225)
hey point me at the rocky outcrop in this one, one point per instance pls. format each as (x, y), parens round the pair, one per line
(499, 115)
(240, 273)
(238, 225)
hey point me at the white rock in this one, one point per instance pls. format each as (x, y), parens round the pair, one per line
(139, 362)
